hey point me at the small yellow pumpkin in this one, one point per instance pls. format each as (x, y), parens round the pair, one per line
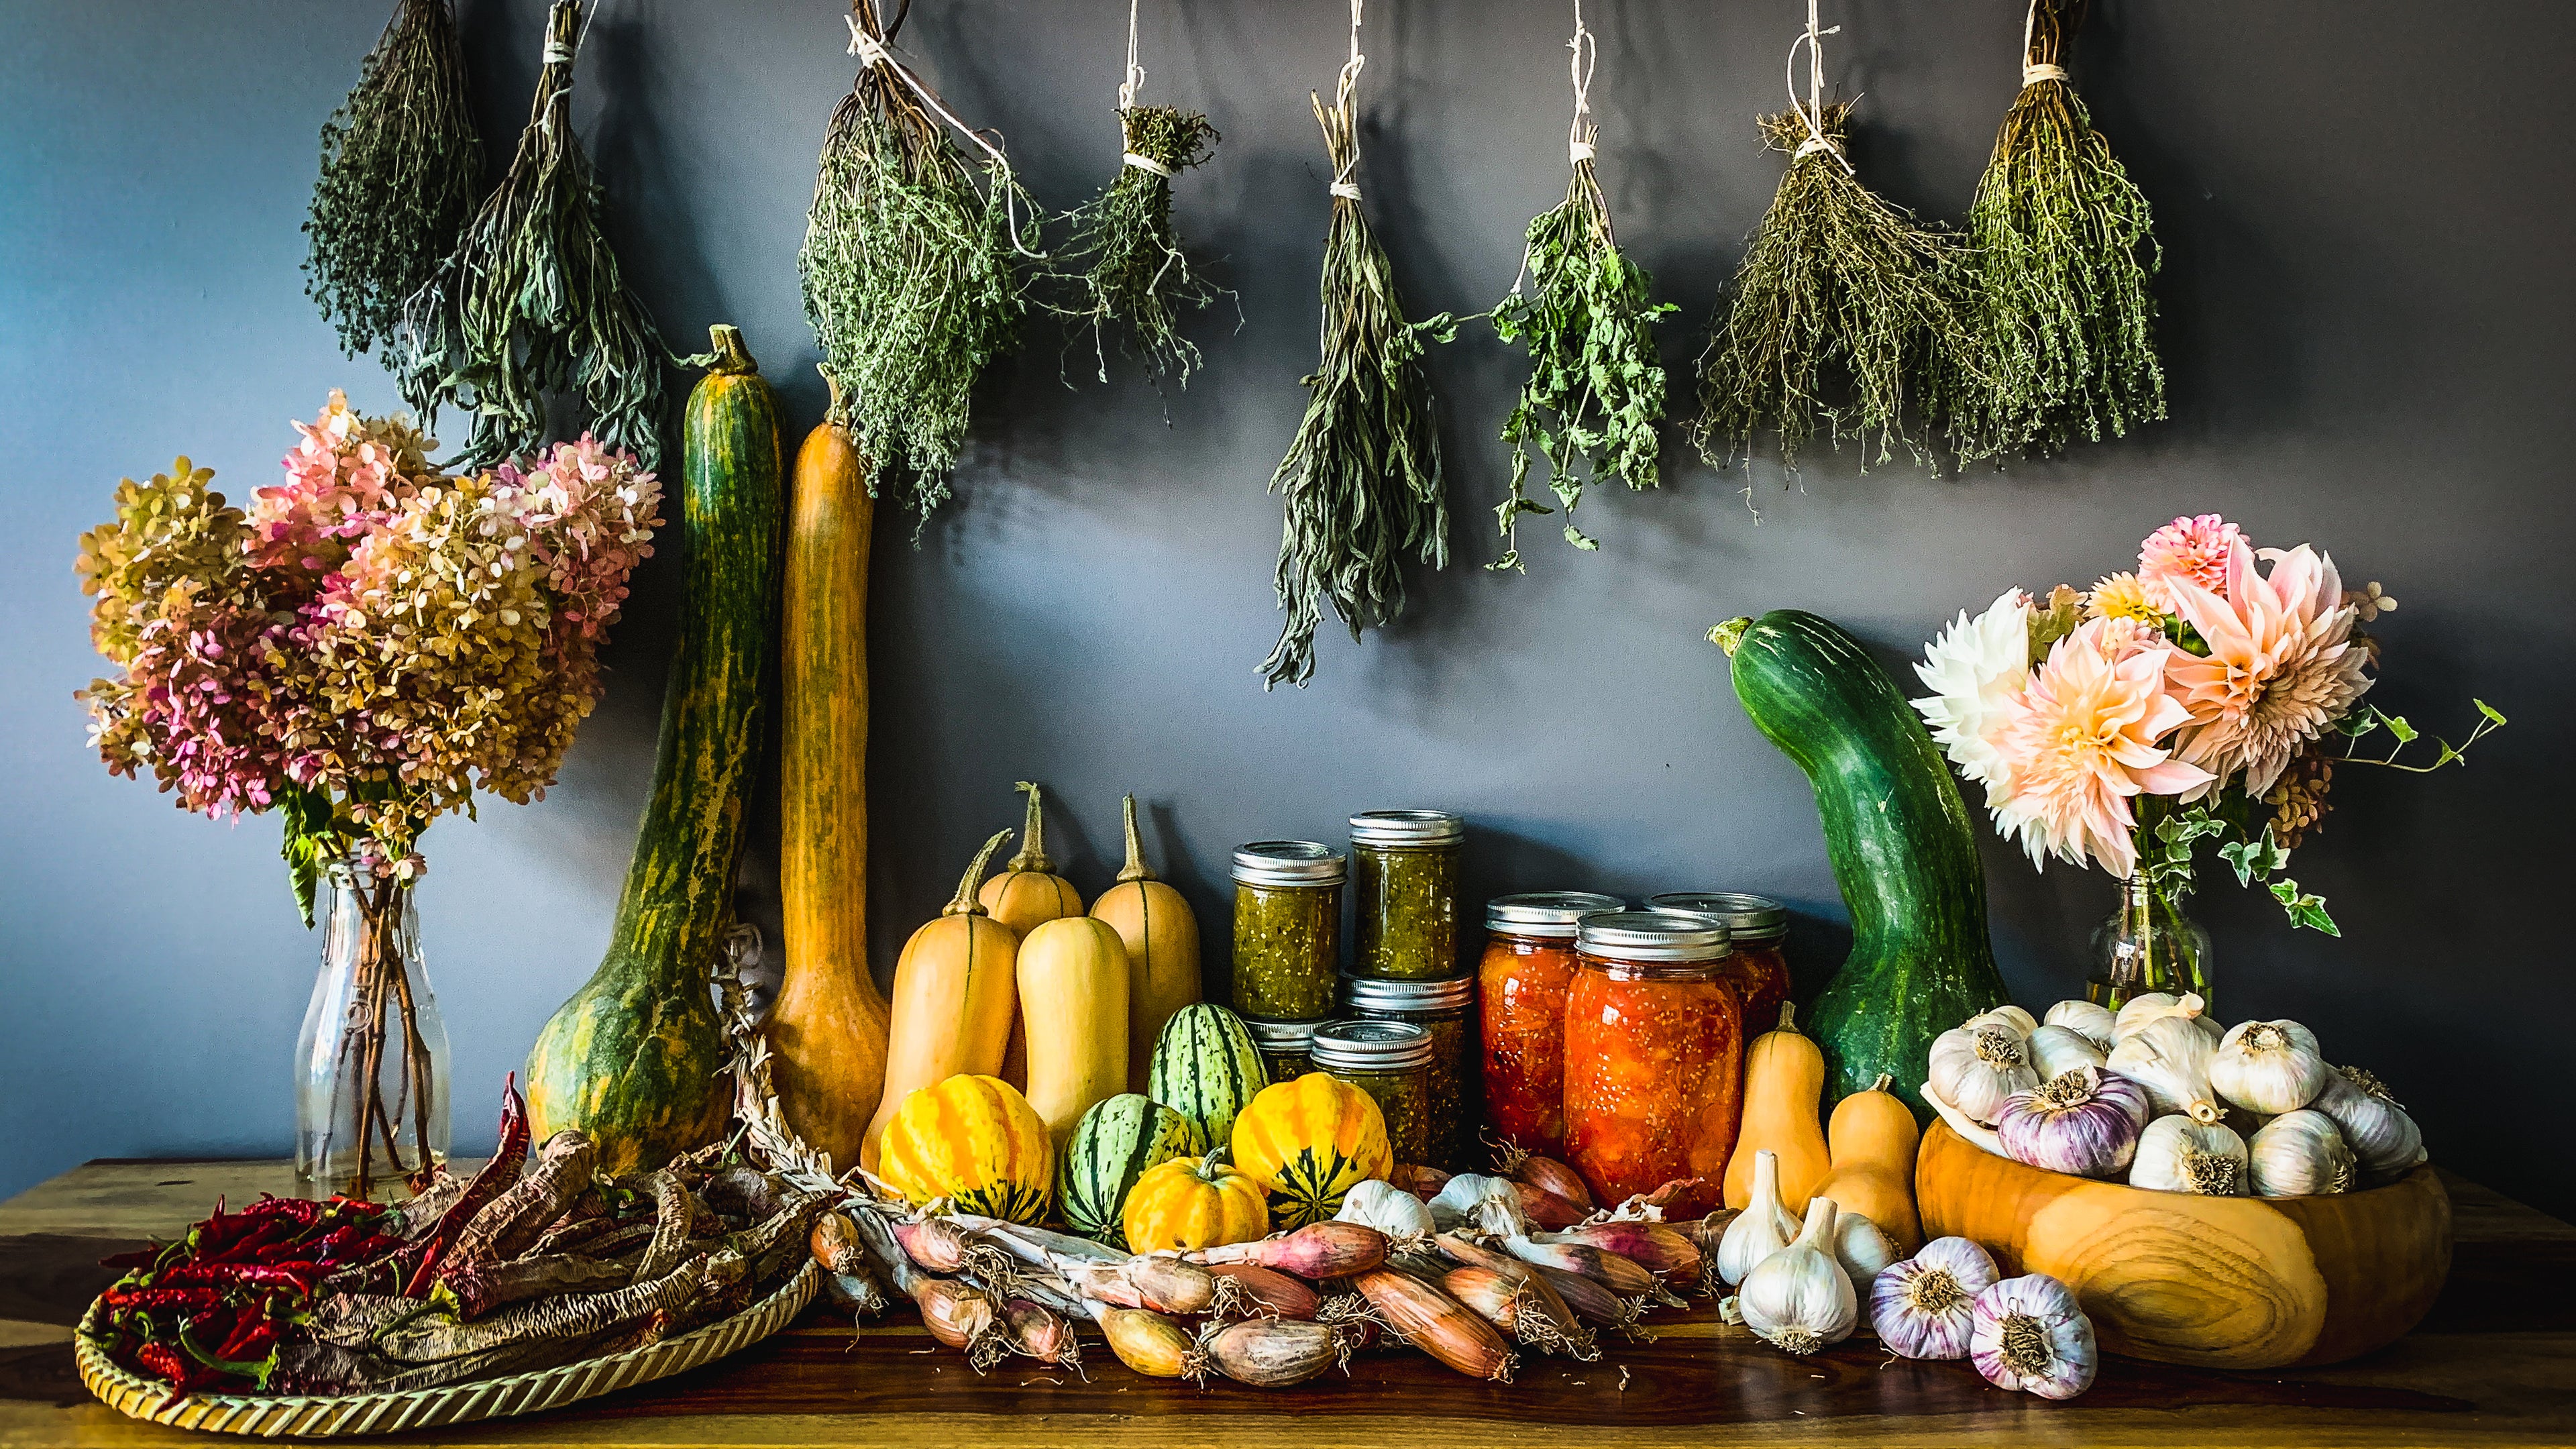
(1309, 1141)
(1195, 1202)
(975, 1141)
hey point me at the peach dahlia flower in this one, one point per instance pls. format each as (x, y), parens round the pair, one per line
(2083, 739)
(2281, 665)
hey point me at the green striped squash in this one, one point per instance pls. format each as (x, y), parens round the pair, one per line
(1111, 1147)
(1207, 1068)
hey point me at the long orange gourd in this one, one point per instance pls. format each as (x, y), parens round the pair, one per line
(955, 988)
(827, 1032)
(1784, 1080)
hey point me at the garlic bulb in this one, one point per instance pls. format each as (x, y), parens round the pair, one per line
(1862, 1250)
(2299, 1154)
(1977, 1067)
(2176, 1154)
(2084, 1122)
(2021, 1022)
(1921, 1308)
(2138, 1010)
(1763, 1228)
(1799, 1299)
(2169, 1056)
(2268, 1066)
(2056, 1050)
(2090, 1020)
(2383, 1138)
(1976, 1134)
(2029, 1334)
(1404, 1218)
(1486, 1204)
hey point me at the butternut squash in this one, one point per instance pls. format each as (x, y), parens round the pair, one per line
(1784, 1081)
(955, 988)
(1073, 998)
(1162, 941)
(827, 1032)
(1873, 1139)
(1028, 893)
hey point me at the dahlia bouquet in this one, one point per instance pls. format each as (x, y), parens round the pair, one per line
(2209, 695)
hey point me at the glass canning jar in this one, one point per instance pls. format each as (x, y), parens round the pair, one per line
(1286, 1046)
(1405, 873)
(1391, 1061)
(1287, 929)
(1520, 993)
(1757, 931)
(1445, 1009)
(1654, 1056)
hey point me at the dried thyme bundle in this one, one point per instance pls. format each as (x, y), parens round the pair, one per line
(1129, 265)
(911, 281)
(401, 171)
(1596, 387)
(1362, 480)
(1840, 310)
(532, 301)
(2058, 289)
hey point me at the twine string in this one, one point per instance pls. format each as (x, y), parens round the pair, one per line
(1578, 136)
(1812, 109)
(2033, 72)
(1135, 79)
(873, 52)
(1344, 92)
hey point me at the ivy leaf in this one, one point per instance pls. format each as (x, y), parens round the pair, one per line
(2494, 715)
(2398, 726)
(2304, 910)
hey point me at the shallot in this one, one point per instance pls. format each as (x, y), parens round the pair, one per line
(1426, 1318)
(1269, 1353)
(1315, 1251)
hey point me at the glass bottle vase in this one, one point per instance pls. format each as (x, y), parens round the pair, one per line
(371, 1062)
(2148, 944)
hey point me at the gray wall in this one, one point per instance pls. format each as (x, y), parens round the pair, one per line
(2366, 304)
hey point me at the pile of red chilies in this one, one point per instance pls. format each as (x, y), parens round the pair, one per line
(204, 1312)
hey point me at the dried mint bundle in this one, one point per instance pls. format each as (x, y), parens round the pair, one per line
(401, 171)
(1841, 311)
(2062, 254)
(1595, 392)
(1362, 479)
(910, 264)
(1126, 257)
(532, 301)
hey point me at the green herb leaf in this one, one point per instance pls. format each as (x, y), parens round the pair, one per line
(1127, 266)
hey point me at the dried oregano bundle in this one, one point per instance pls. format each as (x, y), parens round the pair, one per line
(1125, 253)
(1362, 480)
(401, 171)
(909, 265)
(532, 301)
(2062, 251)
(1595, 393)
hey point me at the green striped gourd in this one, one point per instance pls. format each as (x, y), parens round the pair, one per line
(1207, 1068)
(1111, 1147)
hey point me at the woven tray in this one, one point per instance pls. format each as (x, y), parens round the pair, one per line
(527, 1393)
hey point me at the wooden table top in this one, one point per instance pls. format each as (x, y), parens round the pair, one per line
(2495, 1363)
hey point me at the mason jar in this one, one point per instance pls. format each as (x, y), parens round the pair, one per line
(1757, 932)
(1287, 929)
(1654, 1056)
(1520, 994)
(1445, 1009)
(1391, 1061)
(1405, 864)
(1286, 1047)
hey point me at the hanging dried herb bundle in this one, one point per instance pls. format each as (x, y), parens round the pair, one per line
(2063, 253)
(532, 301)
(909, 265)
(401, 171)
(1840, 311)
(1132, 271)
(1596, 387)
(1362, 480)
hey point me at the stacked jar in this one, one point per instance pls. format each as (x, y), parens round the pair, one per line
(1406, 966)
(1391, 1061)
(1287, 945)
(1654, 1056)
(1757, 961)
(1521, 985)
(1444, 1011)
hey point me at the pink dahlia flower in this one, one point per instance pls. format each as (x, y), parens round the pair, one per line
(2281, 666)
(2190, 550)
(2083, 739)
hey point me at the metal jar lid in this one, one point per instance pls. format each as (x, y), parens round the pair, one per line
(1652, 936)
(1288, 863)
(1546, 913)
(1281, 1036)
(1747, 917)
(1377, 993)
(1370, 1046)
(1403, 828)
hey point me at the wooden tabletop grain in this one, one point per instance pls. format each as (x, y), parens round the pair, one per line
(2495, 1363)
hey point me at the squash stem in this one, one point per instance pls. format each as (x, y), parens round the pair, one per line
(1033, 855)
(1729, 634)
(964, 903)
(733, 359)
(1134, 869)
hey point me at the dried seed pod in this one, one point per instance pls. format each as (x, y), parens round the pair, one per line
(1246, 1290)
(1317, 1251)
(1270, 1353)
(1146, 1341)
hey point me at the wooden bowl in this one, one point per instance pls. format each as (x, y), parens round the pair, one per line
(2215, 1282)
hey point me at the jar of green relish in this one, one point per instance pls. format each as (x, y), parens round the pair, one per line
(1445, 1009)
(1286, 1047)
(1406, 862)
(1287, 929)
(1391, 1061)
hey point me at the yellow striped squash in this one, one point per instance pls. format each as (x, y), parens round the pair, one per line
(1309, 1141)
(1195, 1202)
(972, 1140)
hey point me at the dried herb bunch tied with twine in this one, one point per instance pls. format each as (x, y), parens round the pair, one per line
(401, 170)
(1132, 272)
(1362, 479)
(1595, 393)
(533, 302)
(1838, 317)
(910, 265)
(2064, 253)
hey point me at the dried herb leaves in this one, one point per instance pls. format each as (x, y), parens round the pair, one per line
(1125, 259)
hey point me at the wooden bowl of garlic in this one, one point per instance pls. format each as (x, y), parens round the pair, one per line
(2214, 1282)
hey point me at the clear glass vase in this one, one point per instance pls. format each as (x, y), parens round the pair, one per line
(371, 1062)
(2148, 944)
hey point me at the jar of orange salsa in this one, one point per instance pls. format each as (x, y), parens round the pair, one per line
(1528, 963)
(1654, 1055)
(1757, 930)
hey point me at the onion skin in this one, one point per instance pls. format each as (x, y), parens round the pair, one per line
(1315, 1251)
(1146, 1341)
(1523, 1307)
(1547, 1209)
(1437, 1324)
(1248, 1290)
(1621, 1275)
(1042, 1334)
(935, 1245)
(961, 1318)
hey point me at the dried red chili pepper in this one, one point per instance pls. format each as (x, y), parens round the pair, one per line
(139, 1258)
(252, 1338)
(149, 1298)
(298, 1277)
(488, 1184)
